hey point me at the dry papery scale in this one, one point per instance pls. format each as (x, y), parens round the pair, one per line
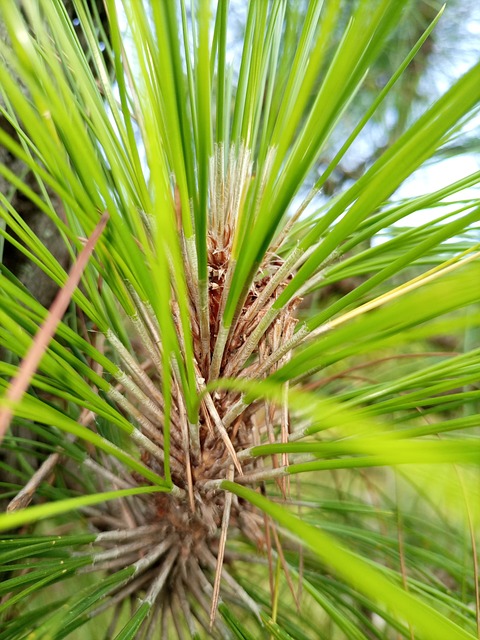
(177, 540)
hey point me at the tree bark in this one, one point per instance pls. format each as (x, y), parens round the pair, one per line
(37, 282)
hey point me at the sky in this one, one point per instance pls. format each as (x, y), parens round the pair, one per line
(456, 48)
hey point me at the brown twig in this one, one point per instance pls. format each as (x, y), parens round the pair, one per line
(40, 343)
(221, 550)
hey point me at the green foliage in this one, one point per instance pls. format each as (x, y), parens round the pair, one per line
(243, 426)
